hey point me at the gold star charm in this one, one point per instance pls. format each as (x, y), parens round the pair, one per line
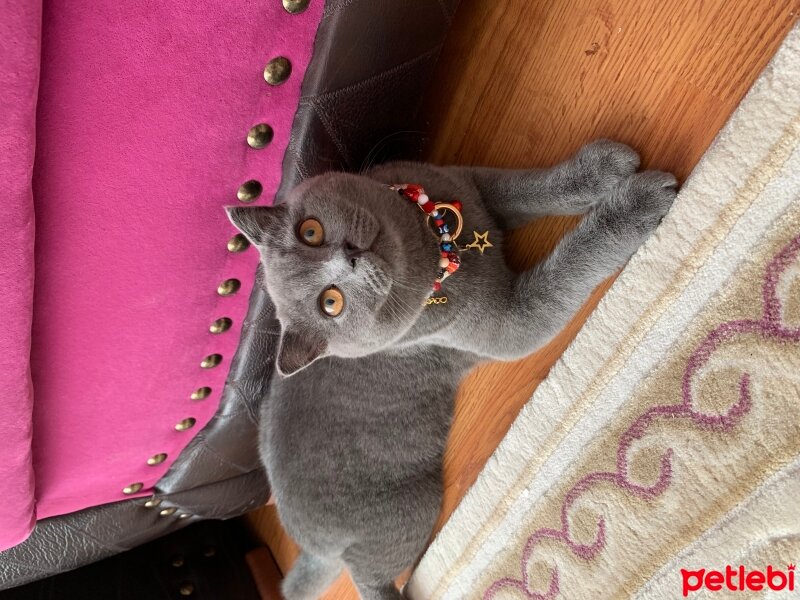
(481, 241)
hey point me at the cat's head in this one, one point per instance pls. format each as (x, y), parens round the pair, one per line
(347, 262)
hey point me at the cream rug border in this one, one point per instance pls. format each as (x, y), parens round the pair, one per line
(702, 217)
(740, 242)
(729, 536)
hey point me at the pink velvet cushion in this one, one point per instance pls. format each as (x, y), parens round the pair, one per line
(19, 77)
(144, 110)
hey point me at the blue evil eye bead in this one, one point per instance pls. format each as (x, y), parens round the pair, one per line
(311, 232)
(447, 247)
(331, 302)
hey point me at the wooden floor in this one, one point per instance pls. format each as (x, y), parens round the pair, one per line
(526, 82)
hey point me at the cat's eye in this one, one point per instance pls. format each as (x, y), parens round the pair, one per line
(331, 301)
(311, 233)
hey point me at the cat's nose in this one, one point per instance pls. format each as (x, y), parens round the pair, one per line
(352, 252)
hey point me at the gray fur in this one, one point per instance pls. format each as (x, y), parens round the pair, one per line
(354, 432)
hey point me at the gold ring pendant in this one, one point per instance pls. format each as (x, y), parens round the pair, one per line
(442, 206)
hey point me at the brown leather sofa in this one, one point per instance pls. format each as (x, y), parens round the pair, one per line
(359, 102)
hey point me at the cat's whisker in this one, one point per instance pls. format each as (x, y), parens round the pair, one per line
(413, 288)
(408, 284)
(372, 156)
(402, 308)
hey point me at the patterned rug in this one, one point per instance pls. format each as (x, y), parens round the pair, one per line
(661, 457)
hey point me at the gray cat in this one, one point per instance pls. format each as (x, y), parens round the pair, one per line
(355, 427)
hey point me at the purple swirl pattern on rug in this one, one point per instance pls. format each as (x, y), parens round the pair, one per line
(770, 325)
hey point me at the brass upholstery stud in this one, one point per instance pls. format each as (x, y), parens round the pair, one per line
(221, 325)
(260, 135)
(157, 459)
(211, 361)
(238, 243)
(184, 516)
(277, 70)
(177, 562)
(132, 488)
(201, 393)
(185, 424)
(187, 589)
(295, 6)
(209, 551)
(229, 287)
(168, 511)
(249, 190)
(152, 502)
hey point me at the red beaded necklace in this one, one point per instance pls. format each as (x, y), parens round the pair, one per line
(449, 261)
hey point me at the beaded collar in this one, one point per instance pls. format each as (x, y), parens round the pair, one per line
(450, 259)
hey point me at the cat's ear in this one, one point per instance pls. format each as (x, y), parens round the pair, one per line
(258, 223)
(298, 349)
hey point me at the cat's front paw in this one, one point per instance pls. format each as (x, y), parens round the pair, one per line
(603, 165)
(636, 207)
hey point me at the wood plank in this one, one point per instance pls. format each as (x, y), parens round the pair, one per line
(525, 83)
(265, 573)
